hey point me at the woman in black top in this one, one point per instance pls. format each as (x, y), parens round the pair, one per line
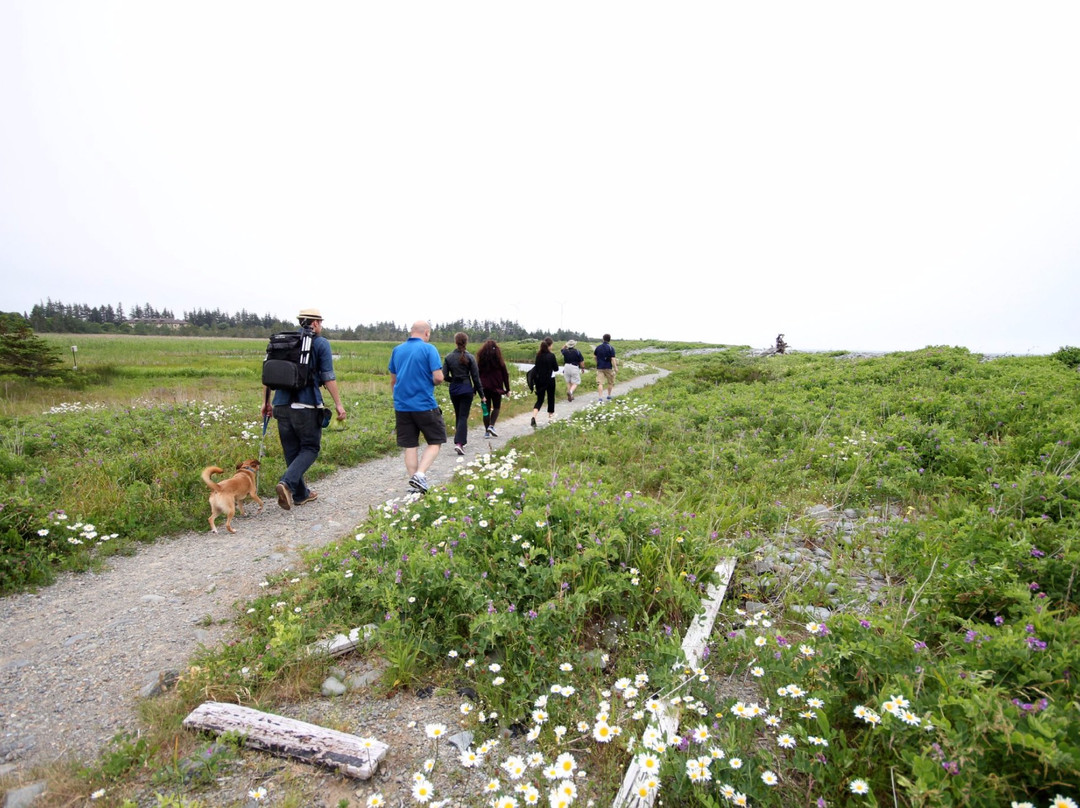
(495, 382)
(546, 368)
(462, 374)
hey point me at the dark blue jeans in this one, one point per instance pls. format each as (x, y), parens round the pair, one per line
(300, 431)
(462, 405)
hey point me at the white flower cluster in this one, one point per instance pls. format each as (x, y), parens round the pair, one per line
(72, 407)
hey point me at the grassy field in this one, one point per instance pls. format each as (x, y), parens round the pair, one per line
(98, 444)
(954, 687)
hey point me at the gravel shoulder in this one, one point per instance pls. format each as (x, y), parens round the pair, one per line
(74, 656)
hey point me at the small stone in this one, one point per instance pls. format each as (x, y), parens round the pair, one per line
(332, 687)
(753, 607)
(831, 588)
(463, 740)
(817, 613)
(593, 659)
(361, 680)
(159, 682)
(23, 797)
(152, 598)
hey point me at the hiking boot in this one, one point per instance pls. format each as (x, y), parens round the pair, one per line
(532, 422)
(569, 396)
(419, 482)
(311, 497)
(284, 496)
(459, 448)
(492, 432)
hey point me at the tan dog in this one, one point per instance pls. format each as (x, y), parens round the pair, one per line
(228, 495)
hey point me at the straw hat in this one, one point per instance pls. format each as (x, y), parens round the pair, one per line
(570, 343)
(309, 314)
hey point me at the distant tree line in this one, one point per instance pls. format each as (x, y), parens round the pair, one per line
(56, 317)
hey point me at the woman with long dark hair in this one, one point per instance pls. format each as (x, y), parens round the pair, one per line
(546, 368)
(462, 374)
(494, 381)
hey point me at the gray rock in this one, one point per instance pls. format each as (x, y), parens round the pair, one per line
(203, 636)
(821, 552)
(761, 567)
(337, 673)
(783, 570)
(594, 659)
(159, 682)
(818, 613)
(152, 598)
(615, 626)
(361, 680)
(851, 513)
(753, 607)
(463, 740)
(23, 797)
(70, 641)
(831, 588)
(333, 687)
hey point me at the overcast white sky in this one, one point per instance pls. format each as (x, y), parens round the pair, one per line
(876, 176)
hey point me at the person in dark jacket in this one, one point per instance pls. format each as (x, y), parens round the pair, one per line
(494, 381)
(299, 416)
(573, 364)
(546, 368)
(462, 373)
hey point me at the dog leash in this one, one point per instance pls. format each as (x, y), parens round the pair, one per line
(262, 450)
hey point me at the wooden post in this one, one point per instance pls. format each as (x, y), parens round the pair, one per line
(288, 737)
(667, 720)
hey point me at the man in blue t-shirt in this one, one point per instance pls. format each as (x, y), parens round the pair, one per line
(606, 368)
(415, 369)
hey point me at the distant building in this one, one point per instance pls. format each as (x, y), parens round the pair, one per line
(158, 322)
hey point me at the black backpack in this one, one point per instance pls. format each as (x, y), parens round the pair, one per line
(530, 378)
(287, 365)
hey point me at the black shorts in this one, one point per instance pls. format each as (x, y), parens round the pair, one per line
(410, 425)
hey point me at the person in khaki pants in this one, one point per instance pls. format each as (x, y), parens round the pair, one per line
(606, 368)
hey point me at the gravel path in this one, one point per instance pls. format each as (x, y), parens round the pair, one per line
(74, 656)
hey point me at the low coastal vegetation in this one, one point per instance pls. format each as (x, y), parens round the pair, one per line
(551, 583)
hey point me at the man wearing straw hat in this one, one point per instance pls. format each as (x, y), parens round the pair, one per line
(300, 415)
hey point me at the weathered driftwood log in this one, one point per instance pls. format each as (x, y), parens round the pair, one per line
(635, 792)
(288, 737)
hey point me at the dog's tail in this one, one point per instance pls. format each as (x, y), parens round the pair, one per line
(206, 472)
